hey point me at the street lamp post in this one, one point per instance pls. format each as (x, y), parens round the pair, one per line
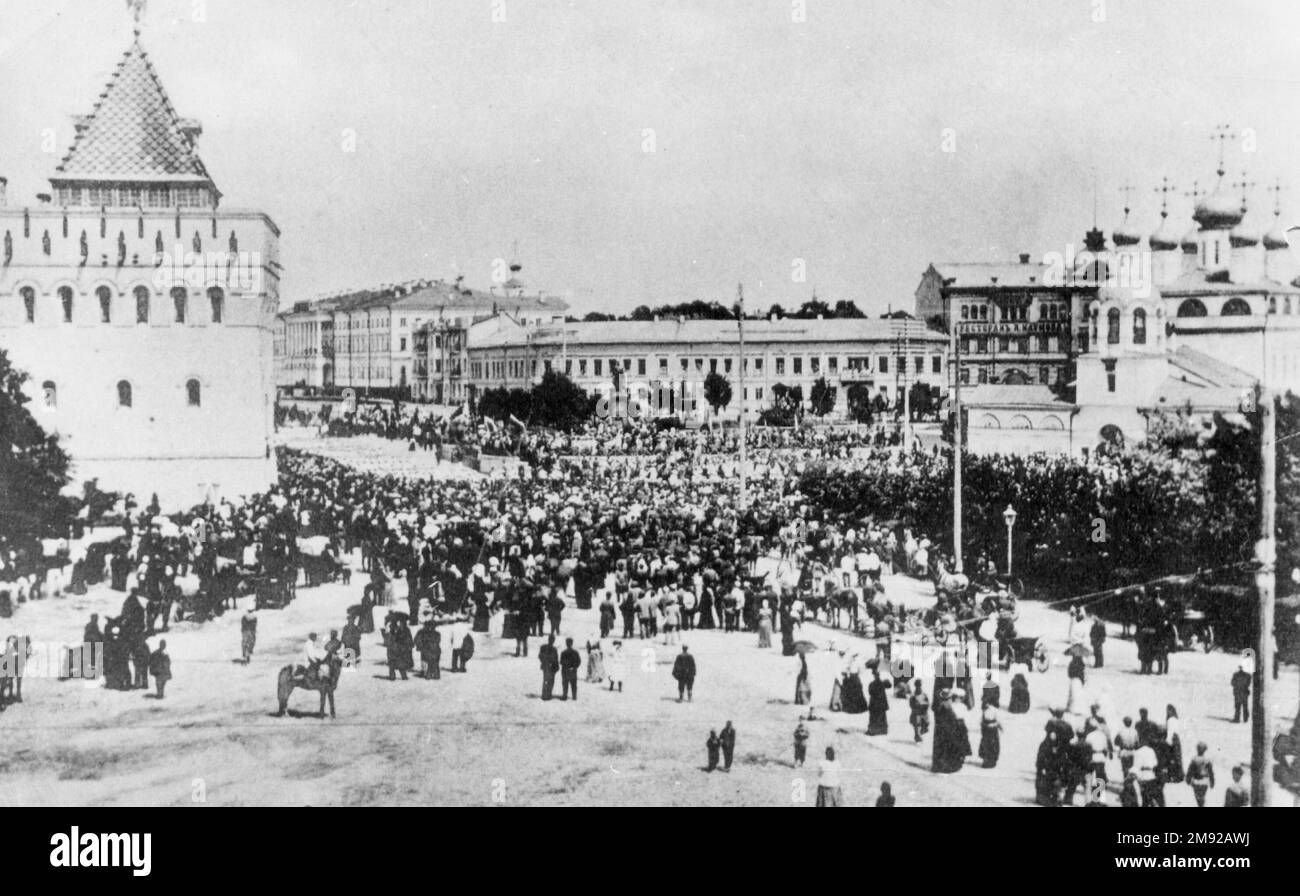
(1010, 516)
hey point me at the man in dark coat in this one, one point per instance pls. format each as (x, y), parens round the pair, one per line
(1241, 683)
(160, 666)
(684, 672)
(570, 661)
(549, 659)
(728, 739)
(351, 638)
(428, 643)
(400, 644)
(1098, 637)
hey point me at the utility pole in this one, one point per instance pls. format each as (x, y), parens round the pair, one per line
(956, 449)
(1261, 777)
(907, 391)
(744, 430)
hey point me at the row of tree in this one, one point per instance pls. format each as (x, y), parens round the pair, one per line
(1184, 501)
(702, 310)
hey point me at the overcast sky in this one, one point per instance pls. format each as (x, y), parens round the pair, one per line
(774, 141)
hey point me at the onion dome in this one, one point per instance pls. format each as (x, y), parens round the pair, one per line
(1276, 239)
(1164, 238)
(1243, 237)
(1125, 235)
(1189, 243)
(1218, 211)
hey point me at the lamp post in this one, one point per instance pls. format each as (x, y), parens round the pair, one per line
(1010, 516)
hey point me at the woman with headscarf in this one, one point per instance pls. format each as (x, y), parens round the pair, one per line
(990, 735)
(1173, 746)
(802, 687)
(877, 704)
(765, 625)
(595, 663)
(1019, 691)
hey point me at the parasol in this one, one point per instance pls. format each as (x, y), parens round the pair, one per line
(1078, 649)
(804, 647)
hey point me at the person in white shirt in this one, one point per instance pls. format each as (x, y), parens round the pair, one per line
(830, 792)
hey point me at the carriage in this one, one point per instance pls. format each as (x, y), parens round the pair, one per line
(1194, 630)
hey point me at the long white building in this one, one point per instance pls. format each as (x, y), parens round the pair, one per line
(140, 308)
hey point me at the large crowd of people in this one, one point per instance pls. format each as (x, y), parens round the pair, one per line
(656, 547)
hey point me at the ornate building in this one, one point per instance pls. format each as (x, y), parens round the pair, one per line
(140, 308)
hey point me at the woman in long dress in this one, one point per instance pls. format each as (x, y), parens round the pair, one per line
(877, 705)
(802, 687)
(1174, 745)
(705, 619)
(595, 663)
(990, 736)
(765, 626)
(837, 687)
(1019, 693)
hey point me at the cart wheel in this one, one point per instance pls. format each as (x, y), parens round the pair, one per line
(1041, 661)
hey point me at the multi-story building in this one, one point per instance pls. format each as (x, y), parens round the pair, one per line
(367, 340)
(141, 309)
(885, 356)
(1161, 323)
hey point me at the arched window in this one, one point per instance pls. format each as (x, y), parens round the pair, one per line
(1192, 308)
(1139, 327)
(105, 304)
(218, 299)
(988, 421)
(1020, 421)
(1235, 308)
(178, 299)
(65, 298)
(1051, 422)
(29, 304)
(51, 394)
(965, 312)
(1112, 327)
(193, 393)
(142, 304)
(124, 395)
(1272, 304)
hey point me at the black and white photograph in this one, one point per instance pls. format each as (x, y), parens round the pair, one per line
(649, 403)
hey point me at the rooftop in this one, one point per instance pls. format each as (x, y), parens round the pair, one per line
(673, 330)
(133, 133)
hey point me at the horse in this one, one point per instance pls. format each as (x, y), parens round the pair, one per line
(326, 686)
(948, 584)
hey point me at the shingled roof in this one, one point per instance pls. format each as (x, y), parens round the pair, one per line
(133, 134)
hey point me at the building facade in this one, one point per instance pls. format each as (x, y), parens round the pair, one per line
(883, 356)
(141, 309)
(372, 339)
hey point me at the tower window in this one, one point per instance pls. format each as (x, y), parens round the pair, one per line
(178, 299)
(142, 304)
(51, 394)
(1112, 327)
(29, 303)
(193, 393)
(65, 298)
(1139, 327)
(105, 304)
(218, 300)
(124, 395)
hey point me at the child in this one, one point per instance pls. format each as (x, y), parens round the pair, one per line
(886, 798)
(1237, 796)
(713, 744)
(800, 745)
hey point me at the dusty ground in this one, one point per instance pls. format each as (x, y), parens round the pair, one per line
(485, 737)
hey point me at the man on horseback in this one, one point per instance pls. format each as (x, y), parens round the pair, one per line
(313, 654)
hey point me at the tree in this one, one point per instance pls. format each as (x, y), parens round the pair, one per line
(717, 391)
(822, 397)
(776, 311)
(598, 317)
(642, 312)
(812, 309)
(33, 470)
(559, 403)
(847, 308)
